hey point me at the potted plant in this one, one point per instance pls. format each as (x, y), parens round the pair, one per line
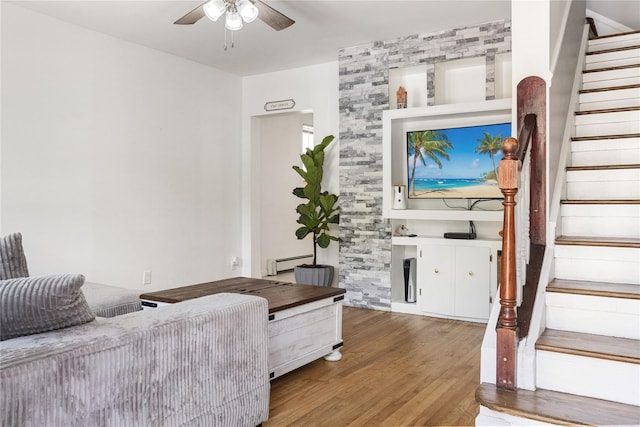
(316, 214)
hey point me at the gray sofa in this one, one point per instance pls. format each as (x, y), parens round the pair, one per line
(201, 362)
(110, 301)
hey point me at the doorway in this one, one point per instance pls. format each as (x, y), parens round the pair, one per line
(281, 142)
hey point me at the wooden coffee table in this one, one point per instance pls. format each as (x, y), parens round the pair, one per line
(305, 322)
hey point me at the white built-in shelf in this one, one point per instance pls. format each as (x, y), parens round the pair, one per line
(445, 215)
(439, 240)
(396, 123)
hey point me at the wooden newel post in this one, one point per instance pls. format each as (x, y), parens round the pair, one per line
(507, 328)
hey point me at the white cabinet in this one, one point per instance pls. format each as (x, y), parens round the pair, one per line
(455, 278)
(436, 279)
(472, 297)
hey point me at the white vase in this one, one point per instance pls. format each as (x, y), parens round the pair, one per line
(399, 197)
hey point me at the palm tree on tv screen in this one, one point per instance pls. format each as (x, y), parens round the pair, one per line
(430, 143)
(490, 145)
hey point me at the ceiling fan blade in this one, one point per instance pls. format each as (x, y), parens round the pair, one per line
(192, 17)
(272, 17)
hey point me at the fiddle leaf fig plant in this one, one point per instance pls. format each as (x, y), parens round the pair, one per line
(320, 209)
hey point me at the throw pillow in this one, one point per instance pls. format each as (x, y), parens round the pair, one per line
(12, 260)
(31, 305)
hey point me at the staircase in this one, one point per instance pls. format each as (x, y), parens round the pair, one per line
(588, 358)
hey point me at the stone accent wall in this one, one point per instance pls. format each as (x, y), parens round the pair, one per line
(365, 247)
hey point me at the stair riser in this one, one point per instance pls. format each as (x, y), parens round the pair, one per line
(610, 95)
(603, 191)
(611, 76)
(622, 81)
(599, 264)
(620, 103)
(613, 42)
(621, 184)
(610, 99)
(597, 270)
(608, 128)
(587, 376)
(488, 418)
(618, 123)
(600, 79)
(614, 63)
(593, 315)
(598, 145)
(608, 59)
(601, 226)
(605, 154)
(604, 158)
(618, 117)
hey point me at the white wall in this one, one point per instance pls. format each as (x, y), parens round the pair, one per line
(567, 24)
(281, 144)
(530, 23)
(314, 89)
(116, 158)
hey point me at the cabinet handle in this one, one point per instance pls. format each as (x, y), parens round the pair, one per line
(436, 271)
(471, 273)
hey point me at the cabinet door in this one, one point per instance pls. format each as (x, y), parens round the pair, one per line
(436, 275)
(473, 276)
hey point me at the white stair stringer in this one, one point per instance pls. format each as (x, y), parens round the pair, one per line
(588, 376)
(601, 220)
(596, 315)
(602, 152)
(597, 263)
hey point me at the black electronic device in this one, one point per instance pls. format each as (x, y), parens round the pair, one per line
(467, 236)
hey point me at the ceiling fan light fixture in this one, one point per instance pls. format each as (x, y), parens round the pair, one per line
(247, 10)
(214, 9)
(233, 21)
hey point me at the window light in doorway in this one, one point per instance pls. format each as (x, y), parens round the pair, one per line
(307, 137)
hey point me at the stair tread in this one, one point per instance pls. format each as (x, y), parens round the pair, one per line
(555, 407)
(623, 242)
(619, 67)
(602, 167)
(614, 49)
(603, 289)
(600, 202)
(607, 110)
(609, 36)
(590, 345)
(598, 137)
(610, 88)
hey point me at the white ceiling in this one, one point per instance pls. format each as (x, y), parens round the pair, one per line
(322, 27)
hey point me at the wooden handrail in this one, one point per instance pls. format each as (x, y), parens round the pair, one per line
(507, 328)
(526, 135)
(513, 323)
(593, 31)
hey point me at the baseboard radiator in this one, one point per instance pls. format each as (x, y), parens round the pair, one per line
(275, 266)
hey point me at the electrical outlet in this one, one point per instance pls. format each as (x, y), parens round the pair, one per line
(235, 262)
(146, 277)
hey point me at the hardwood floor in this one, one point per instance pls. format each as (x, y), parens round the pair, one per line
(396, 370)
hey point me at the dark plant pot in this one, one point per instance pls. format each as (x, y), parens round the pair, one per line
(318, 275)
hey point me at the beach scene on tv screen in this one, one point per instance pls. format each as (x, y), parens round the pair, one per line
(455, 163)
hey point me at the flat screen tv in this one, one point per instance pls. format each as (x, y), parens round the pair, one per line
(455, 163)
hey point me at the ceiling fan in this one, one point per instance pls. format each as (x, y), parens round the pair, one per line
(237, 11)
